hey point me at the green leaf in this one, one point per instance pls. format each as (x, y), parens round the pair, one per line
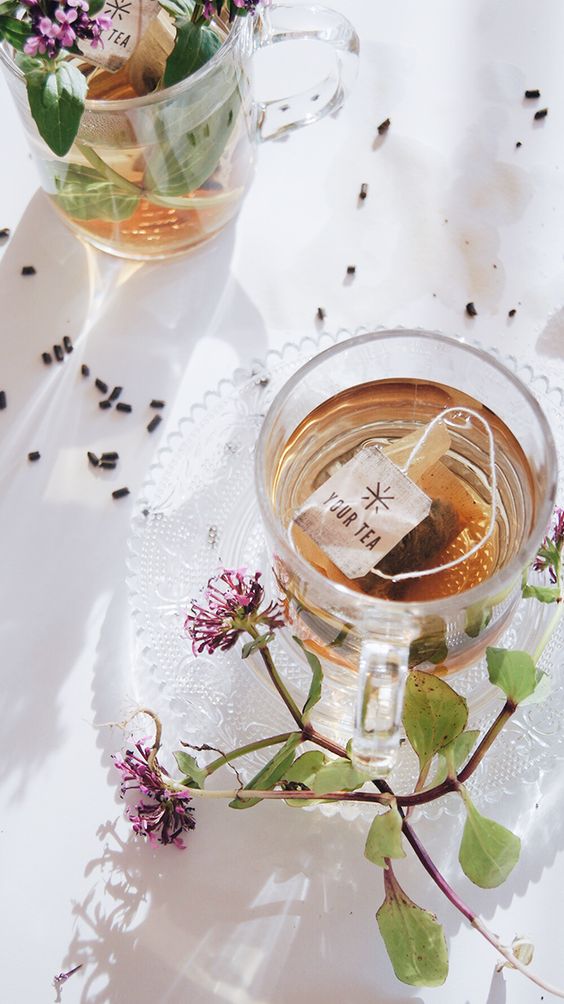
(513, 672)
(314, 694)
(193, 48)
(431, 646)
(270, 774)
(194, 775)
(56, 100)
(544, 594)
(86, 195)
(183, 155)
(14, 31)
(477, 618)
(413, 937)
(456, 753)
(303, 771)
(433, 715)
(177, 8)
(338, 775)
(384, 838)
(95, 6)
(256, 644)
(488, 852)
(542, 692)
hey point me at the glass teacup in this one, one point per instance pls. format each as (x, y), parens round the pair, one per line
(470, 439)
(154, 175)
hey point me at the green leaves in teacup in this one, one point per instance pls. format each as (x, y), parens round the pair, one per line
(384, 838)
(56, 94)
(477, 618)
(271, 773)
(194, 46)
(488, 851)
(413, 937)
(433, 715)
(431, 646)
(194, 775)
(185, 152)
(453, 756)
(338, 775)
(513, 672)
(85, 194)
(314, 694)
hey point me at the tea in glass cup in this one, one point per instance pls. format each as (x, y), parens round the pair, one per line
(405, 480)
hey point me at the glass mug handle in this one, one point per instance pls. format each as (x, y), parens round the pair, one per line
(383, 669)
(285, 23)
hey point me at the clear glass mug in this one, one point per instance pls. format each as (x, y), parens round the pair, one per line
(153, 176)
(379, 640)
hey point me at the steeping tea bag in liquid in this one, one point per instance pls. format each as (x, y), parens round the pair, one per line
(455, 522)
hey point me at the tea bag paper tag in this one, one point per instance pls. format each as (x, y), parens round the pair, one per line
(362, 511)
(130, 20)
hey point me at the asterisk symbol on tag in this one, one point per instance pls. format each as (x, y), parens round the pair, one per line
(377, 497)
(118, 8)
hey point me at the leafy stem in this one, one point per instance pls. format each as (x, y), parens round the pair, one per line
(107, 172)
(283, 794)
(243, 750)
(275, 677)
(419, 784)
(450, 784)
(476, 922)
(509, 708)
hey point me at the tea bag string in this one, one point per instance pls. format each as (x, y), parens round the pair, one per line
(493, 490)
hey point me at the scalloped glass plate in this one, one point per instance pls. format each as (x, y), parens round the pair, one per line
(198, 511)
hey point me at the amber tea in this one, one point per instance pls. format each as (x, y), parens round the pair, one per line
(155, 183)
(404, 480)
(452, 468)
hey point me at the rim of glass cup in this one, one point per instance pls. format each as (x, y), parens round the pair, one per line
(443, 605)
(130, 104)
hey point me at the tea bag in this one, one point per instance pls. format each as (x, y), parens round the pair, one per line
(462, 541)
(431, 534)
(130, 19)
(147, 64)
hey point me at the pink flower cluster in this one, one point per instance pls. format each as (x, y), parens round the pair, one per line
(232, 601)
(212, 7)
(549, 557)
(56, 26)
(162, 814)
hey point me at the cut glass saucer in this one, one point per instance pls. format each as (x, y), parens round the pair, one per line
(198, 512)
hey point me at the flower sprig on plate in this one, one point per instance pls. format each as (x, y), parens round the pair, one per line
(434, 719)
(46, 36)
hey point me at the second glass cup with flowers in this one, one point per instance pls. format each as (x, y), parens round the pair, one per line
(145, 134)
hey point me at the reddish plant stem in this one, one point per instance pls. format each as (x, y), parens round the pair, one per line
(327, 744)
(509, 708)
(422, 797)
(435, 874)
(277, 682)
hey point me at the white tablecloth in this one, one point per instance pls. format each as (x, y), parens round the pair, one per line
(271, 905)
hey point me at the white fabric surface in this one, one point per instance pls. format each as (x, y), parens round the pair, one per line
(266, 906)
